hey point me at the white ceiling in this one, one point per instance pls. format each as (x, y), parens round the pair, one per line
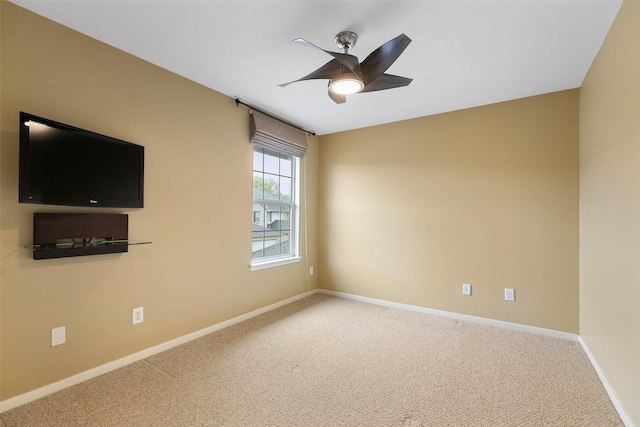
(463, 54)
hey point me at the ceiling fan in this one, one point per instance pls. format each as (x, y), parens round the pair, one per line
(347, 76)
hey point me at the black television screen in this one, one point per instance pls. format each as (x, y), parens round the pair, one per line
(65, 165)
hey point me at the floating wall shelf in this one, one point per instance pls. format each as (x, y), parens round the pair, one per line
(68, 235)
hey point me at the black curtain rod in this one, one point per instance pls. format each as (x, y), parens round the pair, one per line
(238, 102)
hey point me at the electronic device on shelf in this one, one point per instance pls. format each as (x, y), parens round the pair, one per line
(66, 165)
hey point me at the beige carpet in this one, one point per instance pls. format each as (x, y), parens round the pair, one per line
(326, 361)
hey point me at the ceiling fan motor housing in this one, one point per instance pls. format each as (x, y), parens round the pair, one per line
(346, 40)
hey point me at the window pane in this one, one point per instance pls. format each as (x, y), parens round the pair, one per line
(271, 162)
(285, 189)
(258, 185)
(285, 165)
(285, 214)
(258, 216)
(285, 244)
(257, 245)
(258, 159)
(276, 224)
(271, 187)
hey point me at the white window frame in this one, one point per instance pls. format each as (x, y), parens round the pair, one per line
(294, 221)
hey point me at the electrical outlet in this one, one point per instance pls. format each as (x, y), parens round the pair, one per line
(509, 294)
(311, 271)
(138, 315)
(58, 336)
(466, 289)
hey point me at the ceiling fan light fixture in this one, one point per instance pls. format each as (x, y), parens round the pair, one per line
(346, 86)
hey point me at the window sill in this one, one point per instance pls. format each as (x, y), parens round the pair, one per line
(274, 263)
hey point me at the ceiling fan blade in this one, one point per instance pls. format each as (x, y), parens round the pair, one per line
(386, 81)
(306, 43)
(330, 70)
(338, 99)
(349, 61)
(381, 59)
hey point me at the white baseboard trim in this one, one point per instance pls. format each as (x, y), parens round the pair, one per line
(483, 320)
(612, 395)
(36, 394)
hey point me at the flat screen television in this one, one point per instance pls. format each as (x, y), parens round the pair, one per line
(65, 165)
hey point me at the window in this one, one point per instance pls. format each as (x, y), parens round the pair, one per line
(275, 211)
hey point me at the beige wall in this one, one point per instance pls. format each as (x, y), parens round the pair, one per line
(197, 209)
(610, 208)
(410, 211)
